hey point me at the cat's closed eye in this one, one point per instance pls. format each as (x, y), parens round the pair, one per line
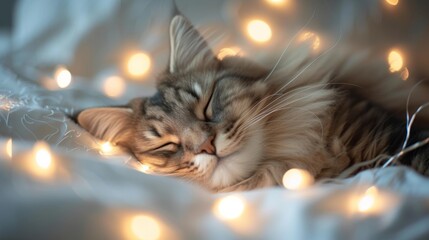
(208, 111)
(154, 132)
(169, 146)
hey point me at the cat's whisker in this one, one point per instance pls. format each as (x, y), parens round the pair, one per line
(284, 108)
(288, 45)
(302, 89)
(267, 113)
(283, 101)
(311, 63)
(279, 98)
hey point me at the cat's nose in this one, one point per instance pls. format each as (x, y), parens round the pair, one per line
(207, 146)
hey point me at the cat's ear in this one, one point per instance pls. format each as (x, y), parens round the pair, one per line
(108, 123)
(188, 49)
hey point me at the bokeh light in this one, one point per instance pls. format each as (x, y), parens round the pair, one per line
(114, 86)
(62, 76)
(276, 2)
(296, 179)
(228, 52)
(43, 158)
(9, 147)
(143, 168)
(230, 207)
(367, 202)
(106, 148)
(405, 74)
(40, 162)
(138, 64)
(311, 36)
(145, 227)
(259, 31)
(395, 60)
(392, 2)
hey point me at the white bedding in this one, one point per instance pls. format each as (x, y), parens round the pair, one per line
(90, 196)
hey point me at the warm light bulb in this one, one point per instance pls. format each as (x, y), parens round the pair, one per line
(138, 64)
(392, 2)
(277, 2)
(143, 168)
(228, 52)
(145, 227)
(9, 147)
(295, 179)
(312, 37)
(259, 31)
(63, 77)
(395, 61)
(114, 86)
(367, 202)
(230, 207)
(106, 148)
(405, 74)
(42, 156)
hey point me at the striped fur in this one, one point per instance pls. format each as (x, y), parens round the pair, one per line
(232, 125)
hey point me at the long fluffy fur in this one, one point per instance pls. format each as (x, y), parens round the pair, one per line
(305, 114)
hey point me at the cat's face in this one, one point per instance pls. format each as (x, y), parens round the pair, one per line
(201, 124)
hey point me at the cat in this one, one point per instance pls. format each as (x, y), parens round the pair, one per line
(233, 125)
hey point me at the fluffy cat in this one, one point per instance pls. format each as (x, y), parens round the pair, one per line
(233, 125)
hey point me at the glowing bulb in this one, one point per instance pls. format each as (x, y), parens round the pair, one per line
(311, 36)
(9, 148)
(259, 31)
(145, 227)
(230, 207)
(138, 64)
(114, 86)
(367, 202)
(392, 2)
(226, 52)
(276, 2)
(405, 74)
(63, 77)
(43, 157)
(395, 60)
(106, 148)
(295, 179)
(144, 168)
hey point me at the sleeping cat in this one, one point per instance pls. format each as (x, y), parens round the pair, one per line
(233, 125)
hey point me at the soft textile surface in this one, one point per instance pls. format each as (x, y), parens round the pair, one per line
(94, 197)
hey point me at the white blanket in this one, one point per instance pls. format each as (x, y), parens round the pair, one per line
(90, 196)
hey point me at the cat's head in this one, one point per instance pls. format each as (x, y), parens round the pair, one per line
(202, 123)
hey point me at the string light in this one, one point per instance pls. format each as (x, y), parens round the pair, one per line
(277, 2)
(106, 148)
(295, 179)
(138, 64)
(9, 149)
(259, 31)
(392, 2)
(143, 168)
(405, 74)
(228, 208)
(43, 158)
(114, 86)
(368, 200)
(145, 227)
(395, 61)
(7, 103)
(62, 76)
(229, 51)
(311, 36)
(40, 162)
